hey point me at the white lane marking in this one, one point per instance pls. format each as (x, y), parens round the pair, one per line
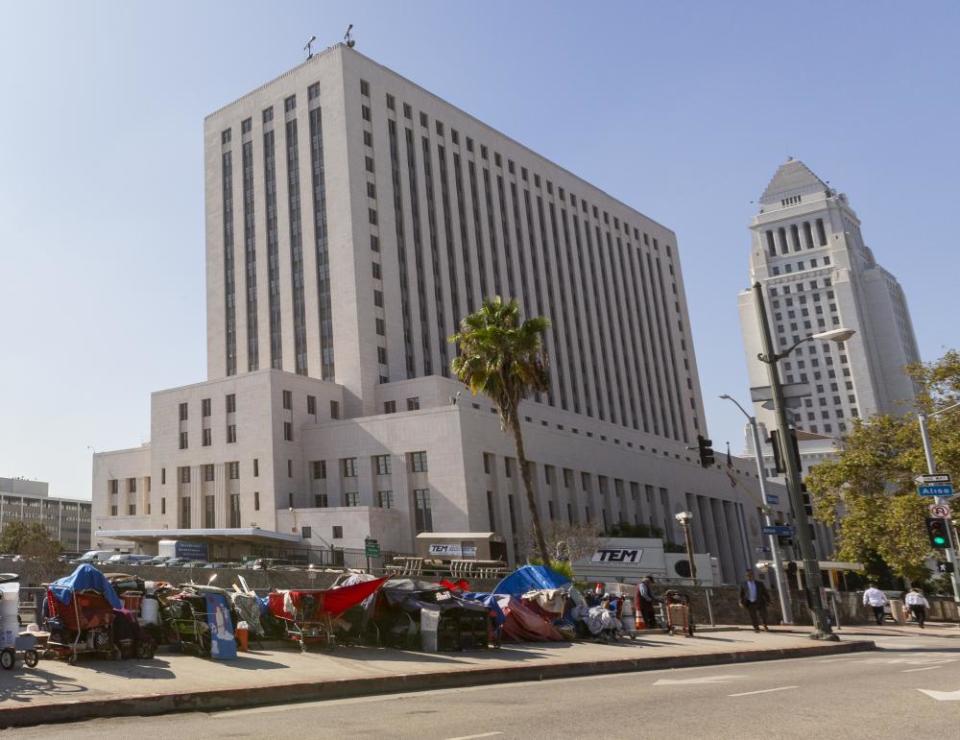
(942, 695)
(928, 668)
(764, 691)
(473, 737)
(698, 680)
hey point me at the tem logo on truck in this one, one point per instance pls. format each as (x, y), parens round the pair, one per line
(617, 555)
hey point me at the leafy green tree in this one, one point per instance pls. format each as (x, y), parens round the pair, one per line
(505, 359)
(869, 489)
(29, 539)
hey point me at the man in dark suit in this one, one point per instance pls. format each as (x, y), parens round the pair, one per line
(754, 597)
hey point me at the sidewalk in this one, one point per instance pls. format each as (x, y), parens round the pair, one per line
(57, 692)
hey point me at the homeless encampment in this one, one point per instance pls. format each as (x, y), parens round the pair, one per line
(417, 615)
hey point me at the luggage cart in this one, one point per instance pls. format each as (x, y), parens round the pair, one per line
(83, 626)
(676, 611)
(308, 615)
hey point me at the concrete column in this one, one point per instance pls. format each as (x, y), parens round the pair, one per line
(220, 486)
(365, 481)
(724, 540)
(196, 495)
(708, 528)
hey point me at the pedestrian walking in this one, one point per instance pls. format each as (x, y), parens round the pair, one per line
(918, 605)
(754, 597)
(876, 600)
(646, 602)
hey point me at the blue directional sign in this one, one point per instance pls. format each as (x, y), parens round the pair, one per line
(779, 530)
(938, 489)
(772, 499)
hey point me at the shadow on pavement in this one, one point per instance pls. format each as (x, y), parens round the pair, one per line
(35, 682)
(156, 668)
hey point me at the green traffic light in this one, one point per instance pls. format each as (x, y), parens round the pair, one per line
(938, 540)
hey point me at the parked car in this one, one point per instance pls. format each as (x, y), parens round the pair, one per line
(173, 563)
(159, 560)
(273, 564)
(129, 559)
(93, 557)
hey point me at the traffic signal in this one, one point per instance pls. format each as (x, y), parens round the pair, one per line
(778, 450)
(807, 503)
(784, 540)
(706, 451)
(937, 532)
(944, 567)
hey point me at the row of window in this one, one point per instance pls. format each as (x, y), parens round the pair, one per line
(206, 407)
(416, 463)
(786, 237)
(787, 268)
(413, 404)
(623, 308)
(299, 280)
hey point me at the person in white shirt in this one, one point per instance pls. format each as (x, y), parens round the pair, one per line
(918, 605)
(876, 600)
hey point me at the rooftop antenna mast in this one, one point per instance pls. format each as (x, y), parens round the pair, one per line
(348, 38)
(309, 47)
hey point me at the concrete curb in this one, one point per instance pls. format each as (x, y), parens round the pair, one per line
(210, 700)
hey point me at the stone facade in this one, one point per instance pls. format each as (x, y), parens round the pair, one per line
(352, 219)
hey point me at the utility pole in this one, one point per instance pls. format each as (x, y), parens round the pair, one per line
(811, 566)
(782, 590)
(932, 470)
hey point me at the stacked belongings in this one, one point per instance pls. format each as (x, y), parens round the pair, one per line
(198, 619)
(131, 634)
(308, 615)
(79, 612)
(538, 604)
(417, 615)
(246, 608)
(352, 627)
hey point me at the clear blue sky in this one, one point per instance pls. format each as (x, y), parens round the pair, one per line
(682, 110)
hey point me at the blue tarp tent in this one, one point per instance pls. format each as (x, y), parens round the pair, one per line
(85, 578)
(489, 601)
(530, 578)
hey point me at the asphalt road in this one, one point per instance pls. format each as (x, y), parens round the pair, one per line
(860, 695)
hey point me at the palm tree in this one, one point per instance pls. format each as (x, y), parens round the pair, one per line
(505, 359)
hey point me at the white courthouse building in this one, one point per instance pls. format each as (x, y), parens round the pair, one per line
(352, 219)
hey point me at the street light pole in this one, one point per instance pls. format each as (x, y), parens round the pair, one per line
(932, 469)
(811, 566)
(684, 518)
(781, 577)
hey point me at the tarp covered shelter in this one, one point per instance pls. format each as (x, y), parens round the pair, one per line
(85, 578)
(530, 578)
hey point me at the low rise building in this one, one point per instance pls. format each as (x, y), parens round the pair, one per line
(66, 520)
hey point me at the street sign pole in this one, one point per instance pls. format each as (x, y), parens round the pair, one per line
(811, 564)
(932, 470)
(785, 614)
